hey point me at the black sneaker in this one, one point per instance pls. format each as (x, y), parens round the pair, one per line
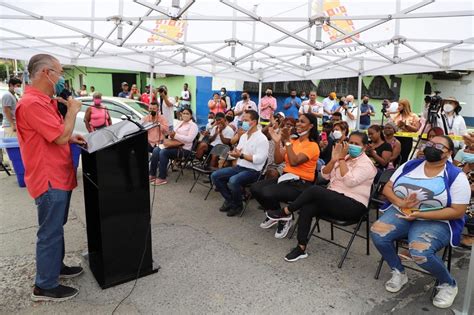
(278, 215)
(295, 254)
(234, 211)
(225, 207)
(70, 272)
(58, 294)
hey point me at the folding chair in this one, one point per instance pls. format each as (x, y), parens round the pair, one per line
(377, 200)
(184, 161)
(447, 256)
(203, 168)
(247, 194)
(3, 167)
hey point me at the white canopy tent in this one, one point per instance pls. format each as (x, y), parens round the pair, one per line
(252, 40)
(265, 40)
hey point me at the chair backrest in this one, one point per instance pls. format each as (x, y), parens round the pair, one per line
(377, 187)
(220, 150)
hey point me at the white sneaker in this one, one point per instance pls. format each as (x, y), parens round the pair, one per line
(283, 228)
(268, 223)
(397, 281)
(445, 296)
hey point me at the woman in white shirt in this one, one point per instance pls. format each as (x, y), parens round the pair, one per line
(451, 122)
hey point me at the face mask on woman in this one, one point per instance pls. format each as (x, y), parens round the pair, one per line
(97, 101)
(229, 118)
(303, 133)
(336, 134)
(210, 120)
(468, 157)
(268, 94)
(433, 154)
(354, 150)
(448, 108)
(153, 113)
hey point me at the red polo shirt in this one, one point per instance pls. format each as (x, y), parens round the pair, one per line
(38, 125)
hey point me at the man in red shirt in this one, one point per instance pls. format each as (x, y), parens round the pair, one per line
(44, 137)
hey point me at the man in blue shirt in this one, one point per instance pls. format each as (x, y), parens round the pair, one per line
(125, 92)
(292, 105)
(366, 110)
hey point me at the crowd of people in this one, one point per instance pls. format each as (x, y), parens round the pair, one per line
(309, 156)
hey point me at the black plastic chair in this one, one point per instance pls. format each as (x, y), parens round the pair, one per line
(184, 161)
(247, 196)
(377, 200)
(203, 168)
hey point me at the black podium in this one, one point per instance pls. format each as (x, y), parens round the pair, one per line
(117, 203)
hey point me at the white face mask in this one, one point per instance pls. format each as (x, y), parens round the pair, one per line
(210, 121)
(18, 90)
(448, 108)
(303, 133)
(337, 134)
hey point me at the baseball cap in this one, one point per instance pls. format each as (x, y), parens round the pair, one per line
(124, 83)
(281, 114)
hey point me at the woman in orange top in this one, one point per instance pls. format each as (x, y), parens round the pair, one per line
(300, 157)
(406, 121)
(216, 105)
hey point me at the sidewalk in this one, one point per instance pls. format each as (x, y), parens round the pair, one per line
(210, 263)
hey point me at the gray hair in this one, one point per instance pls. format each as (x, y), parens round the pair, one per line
(38, 62)
(97, 95)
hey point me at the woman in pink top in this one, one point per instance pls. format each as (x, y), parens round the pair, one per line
(346, 198)
(268, 105)
(180, 145)
(97, 116)
(216, 104)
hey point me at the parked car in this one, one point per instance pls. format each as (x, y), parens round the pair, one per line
(119, 107)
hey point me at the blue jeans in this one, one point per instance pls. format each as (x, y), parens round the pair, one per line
(425, 239)
(363, 127)
(163, 157)
(53, 208)
(230, 180)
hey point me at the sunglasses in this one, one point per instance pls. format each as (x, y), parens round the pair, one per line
(438, 146)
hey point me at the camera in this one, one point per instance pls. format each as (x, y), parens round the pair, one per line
(341, 103)
(161, 90)
(435, 102)
(385, 104)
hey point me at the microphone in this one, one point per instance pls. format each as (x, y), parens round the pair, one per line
(127, 115)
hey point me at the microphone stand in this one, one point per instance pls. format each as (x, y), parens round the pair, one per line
(128, 117)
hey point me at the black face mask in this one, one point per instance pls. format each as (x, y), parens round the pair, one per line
(365, 102)
(153, 113)
(268, 94)
(229, 118)
(432, 154)
(244, 97)
(293, 96)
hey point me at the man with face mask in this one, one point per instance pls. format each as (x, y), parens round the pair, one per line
(157, 134)
(366, 110)
(292, 105)
(268, 105)
(9, 101)
(44, 138)
(251, 154)
(245, 104)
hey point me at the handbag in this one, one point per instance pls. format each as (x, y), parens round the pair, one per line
(172, 143)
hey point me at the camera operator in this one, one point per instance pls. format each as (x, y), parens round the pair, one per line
(451, 121)
(166, 105)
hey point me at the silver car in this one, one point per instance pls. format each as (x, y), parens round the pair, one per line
(119, 107)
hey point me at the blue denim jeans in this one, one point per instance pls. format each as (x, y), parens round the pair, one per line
(363, 127)
(425, 239)
(161, 157)
(53, 208)
(230, 180)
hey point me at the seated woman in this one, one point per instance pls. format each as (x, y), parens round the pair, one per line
(97, 116)
(230, 117)
(340, 131)
(274, 169)
(179, 144)
(427, 200)
(351, 173)
(389, 131)
(300, 157)
(378, 150)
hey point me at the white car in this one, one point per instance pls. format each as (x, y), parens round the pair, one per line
(119, 107)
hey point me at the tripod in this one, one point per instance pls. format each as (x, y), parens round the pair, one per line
(432, 121)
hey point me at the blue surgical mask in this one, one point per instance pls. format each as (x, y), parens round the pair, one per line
(59, 86)
(468, 157)
(245, 125)
(354, 150)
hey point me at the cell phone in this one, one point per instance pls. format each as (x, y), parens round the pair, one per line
(324, 136)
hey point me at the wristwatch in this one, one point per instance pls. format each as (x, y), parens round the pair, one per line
(241, 156)
(287, 143)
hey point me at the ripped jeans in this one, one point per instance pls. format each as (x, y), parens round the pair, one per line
(425, 239)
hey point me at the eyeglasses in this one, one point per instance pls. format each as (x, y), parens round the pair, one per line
(438, 146)
(58, 72)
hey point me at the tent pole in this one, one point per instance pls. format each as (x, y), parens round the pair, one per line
(259, 97)
(152, 70)
(359, 92)
(469, 286)
(92, 23)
